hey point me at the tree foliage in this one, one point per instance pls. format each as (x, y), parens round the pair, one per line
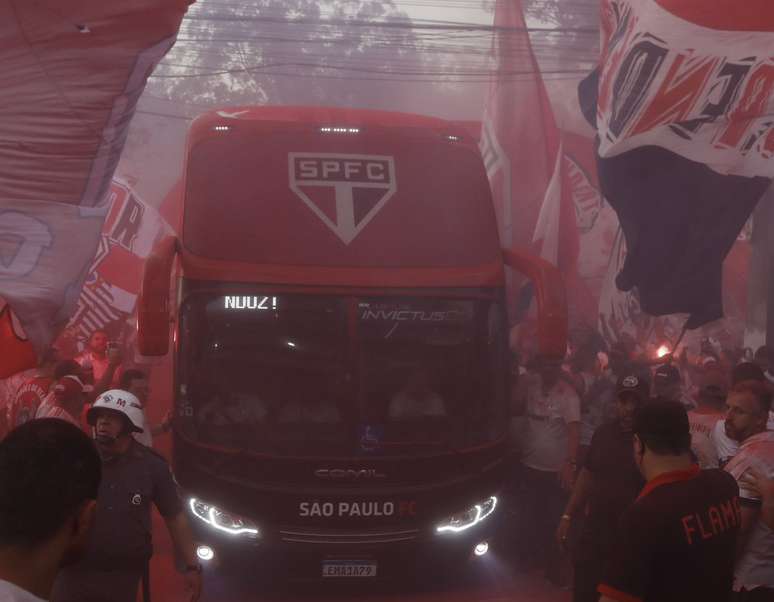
(343, 52)
(574, 43)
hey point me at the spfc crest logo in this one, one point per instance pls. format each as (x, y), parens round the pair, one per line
(344, 191)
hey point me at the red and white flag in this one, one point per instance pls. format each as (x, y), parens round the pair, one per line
(523, 152)
(685, 117)
(72, 74)
(110, 291)
(556, 230)
(519, 138)
(696, 78)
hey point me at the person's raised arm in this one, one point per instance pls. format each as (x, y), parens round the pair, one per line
(103, 384)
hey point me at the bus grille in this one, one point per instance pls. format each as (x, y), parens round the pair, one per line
(348, 537)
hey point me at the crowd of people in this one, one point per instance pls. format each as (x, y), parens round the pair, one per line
(636, 478)
(646, 478)
(75, 432)
(65, 387)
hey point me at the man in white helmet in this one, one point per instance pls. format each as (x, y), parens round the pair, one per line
(133, 477)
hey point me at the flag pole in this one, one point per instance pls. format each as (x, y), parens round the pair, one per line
(767, 206)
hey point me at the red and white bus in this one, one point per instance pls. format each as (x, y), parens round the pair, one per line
(339, 318)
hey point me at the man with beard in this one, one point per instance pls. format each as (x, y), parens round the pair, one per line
(725, 447)
(607, 484)
(747, 412)
(120, 546)
(49, 478)
(101, 361)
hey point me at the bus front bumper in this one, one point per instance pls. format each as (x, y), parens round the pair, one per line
(301, 553)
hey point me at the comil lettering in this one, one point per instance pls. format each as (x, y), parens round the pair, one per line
(246, 302)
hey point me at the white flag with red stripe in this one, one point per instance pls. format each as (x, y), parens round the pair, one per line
(110, 292)
(72, 73)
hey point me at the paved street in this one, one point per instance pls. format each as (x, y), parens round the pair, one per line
(493, 581)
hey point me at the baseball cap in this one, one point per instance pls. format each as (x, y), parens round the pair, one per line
(666, 374)
(69, 388)
(634, 383)
(665, 421)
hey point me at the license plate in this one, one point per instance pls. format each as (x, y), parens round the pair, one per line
(349, 569)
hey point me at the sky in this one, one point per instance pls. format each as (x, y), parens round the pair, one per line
(183, 85)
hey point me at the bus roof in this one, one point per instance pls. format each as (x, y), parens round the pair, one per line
(321, 189)
(203, 124)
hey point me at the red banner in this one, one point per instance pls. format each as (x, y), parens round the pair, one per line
(524, 155)
(519, 139)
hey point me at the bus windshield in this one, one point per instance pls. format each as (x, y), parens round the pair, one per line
(316, 375)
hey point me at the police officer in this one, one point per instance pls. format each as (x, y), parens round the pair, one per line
(133, 476)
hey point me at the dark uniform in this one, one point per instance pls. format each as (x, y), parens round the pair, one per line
(616, 484)
(120, 546)
(678, 541)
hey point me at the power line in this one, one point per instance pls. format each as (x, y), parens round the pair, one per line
(157, 114)
(413, 25)
(501, 74)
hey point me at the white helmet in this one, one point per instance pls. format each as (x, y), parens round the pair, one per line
(119, 401)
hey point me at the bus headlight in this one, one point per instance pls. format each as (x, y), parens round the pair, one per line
(469, 518)
(223, 521)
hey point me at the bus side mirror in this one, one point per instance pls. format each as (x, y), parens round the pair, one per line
(551, 301)
(153, 304)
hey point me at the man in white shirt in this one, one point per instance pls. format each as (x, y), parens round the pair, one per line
(95, 356)
(549, 459)
(49, 477)
(710, 399)
(748, 407)
(553, 423)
